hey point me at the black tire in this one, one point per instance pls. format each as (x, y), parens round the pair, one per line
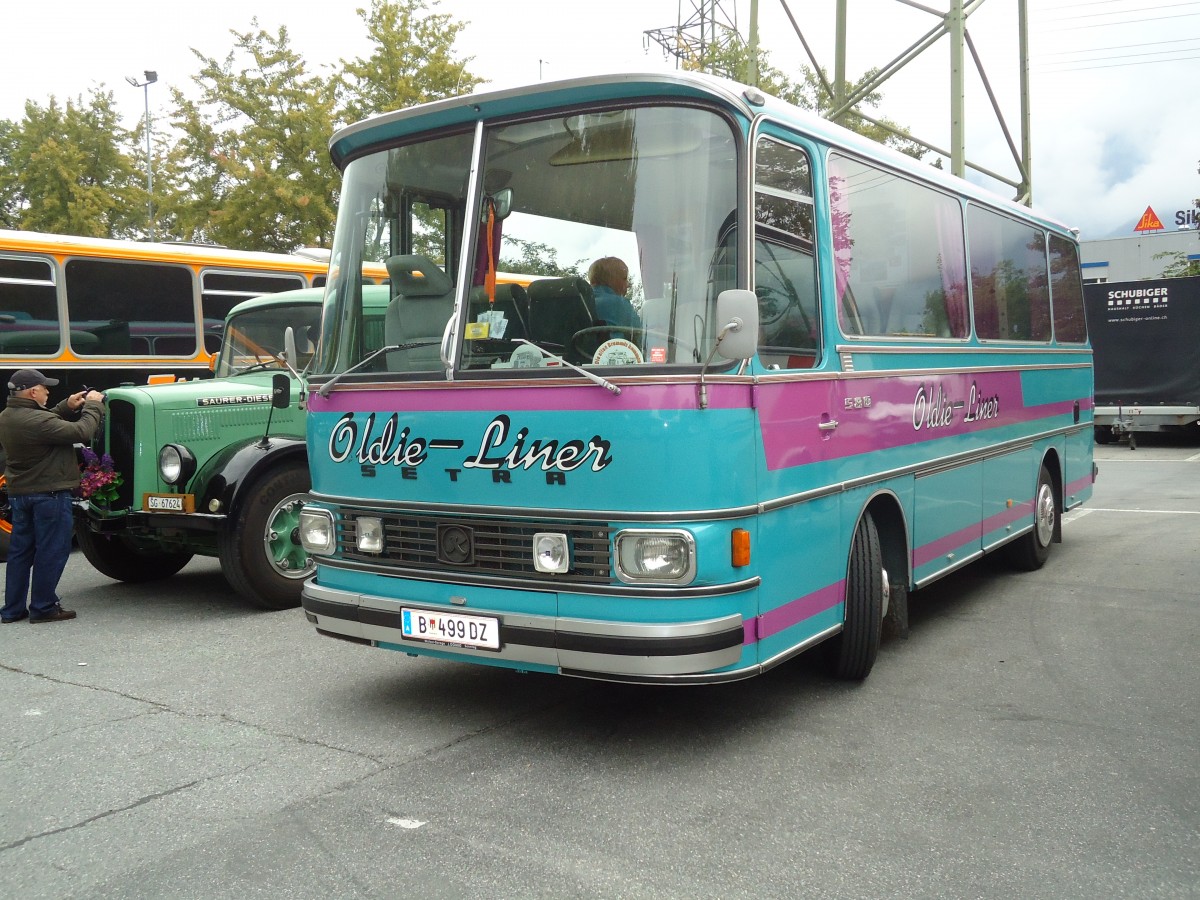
(1031, 550)
(114, 556)
(852, 653)
(1104, 435)
(260, 552)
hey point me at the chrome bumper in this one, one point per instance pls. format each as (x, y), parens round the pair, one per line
(572, 646)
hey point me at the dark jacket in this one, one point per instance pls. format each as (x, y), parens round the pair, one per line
(39, 443)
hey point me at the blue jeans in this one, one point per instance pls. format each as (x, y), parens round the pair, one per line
(40, 545)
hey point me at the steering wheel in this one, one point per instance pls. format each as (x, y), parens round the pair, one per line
(635, 335)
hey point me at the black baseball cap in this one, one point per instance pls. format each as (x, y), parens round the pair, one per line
(24, 379)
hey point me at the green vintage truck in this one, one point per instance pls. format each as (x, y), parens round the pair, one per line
(217, 467)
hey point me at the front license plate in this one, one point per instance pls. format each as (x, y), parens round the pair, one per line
(450, 628)
(184, 503)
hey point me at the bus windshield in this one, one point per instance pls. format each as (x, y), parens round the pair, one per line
(614, 220)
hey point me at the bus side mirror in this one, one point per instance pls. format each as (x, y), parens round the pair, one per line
(281, 391)
(737, 316)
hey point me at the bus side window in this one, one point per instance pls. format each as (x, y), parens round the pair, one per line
(785, 275)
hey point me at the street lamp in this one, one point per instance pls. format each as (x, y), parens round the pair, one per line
(151, 77)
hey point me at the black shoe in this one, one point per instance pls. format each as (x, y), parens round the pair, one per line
(58, 614)
(21, 617)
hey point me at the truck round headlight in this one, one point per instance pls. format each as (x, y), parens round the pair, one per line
(176, 464)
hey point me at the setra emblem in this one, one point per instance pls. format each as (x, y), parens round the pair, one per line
(456, 545)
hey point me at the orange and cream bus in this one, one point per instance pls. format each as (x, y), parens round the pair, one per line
(100, 313)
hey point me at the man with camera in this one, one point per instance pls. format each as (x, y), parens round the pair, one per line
(42, 474)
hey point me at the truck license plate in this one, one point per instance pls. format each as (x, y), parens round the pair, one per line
(184, 503)
(480, 632)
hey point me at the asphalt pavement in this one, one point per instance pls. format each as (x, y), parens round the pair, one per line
(1036, 736)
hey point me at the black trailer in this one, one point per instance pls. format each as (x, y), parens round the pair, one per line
(1146, 340)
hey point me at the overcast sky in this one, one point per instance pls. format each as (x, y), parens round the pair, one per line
(1116, 98)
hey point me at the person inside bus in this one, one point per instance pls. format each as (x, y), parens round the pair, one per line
(43, 474)
(609, 277)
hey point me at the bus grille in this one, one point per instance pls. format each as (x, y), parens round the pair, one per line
(500, 547)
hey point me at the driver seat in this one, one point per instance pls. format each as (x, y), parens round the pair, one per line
(559, 307)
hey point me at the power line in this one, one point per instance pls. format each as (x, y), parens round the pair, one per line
(1123, 22)
(1122, 47)
(1146, 62)
(1121, 12)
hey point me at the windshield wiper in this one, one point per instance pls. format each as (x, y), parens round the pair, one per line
(324, 389)
(590, 376)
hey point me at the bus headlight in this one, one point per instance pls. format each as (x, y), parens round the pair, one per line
(664, 557)
(176, 464)
(317, 532)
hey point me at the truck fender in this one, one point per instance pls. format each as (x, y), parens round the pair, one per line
(228, 476)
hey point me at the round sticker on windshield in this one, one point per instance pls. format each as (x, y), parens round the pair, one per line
(525, 357)
(617, 352)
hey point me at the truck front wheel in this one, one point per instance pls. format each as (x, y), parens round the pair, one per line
(260, 551)
(114, 556)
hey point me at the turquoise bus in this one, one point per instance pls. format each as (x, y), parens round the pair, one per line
(845, 375)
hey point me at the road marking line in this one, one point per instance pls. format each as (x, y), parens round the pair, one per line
(1156, 512)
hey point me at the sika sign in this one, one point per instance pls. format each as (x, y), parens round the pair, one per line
(1149, 221)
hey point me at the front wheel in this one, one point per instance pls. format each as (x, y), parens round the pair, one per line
(114, 556)
(1031, 550)
(852, 653)
(260, 551)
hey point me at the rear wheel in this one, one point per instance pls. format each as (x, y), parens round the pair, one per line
(260, 551)
(114, 556)
(1031, 550)
(852, 653)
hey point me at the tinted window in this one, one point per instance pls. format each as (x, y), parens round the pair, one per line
(1008, 278)
(29, 322)
(129, 308)
(898, 252)
(221, 291)
(1066, 293)
(785, 277)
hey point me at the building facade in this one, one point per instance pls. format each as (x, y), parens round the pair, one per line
(1132, 258)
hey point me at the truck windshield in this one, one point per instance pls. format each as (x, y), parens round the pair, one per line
(255, 339)
(596, 236)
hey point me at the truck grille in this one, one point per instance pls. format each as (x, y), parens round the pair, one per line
(497, 546)
(120, 436)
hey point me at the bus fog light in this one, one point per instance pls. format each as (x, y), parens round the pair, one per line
(551, 553)
(317, 534)
(370, 534)
(665, 557)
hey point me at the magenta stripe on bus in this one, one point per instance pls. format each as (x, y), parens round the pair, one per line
(793, 612)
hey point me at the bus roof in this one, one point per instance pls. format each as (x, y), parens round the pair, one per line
(157, 251)
(750, 103)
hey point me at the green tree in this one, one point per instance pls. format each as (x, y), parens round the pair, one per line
(251, 169)
(411, 60)
(1179, 266)
(536, 258)
(69, 170)
(9, 197)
